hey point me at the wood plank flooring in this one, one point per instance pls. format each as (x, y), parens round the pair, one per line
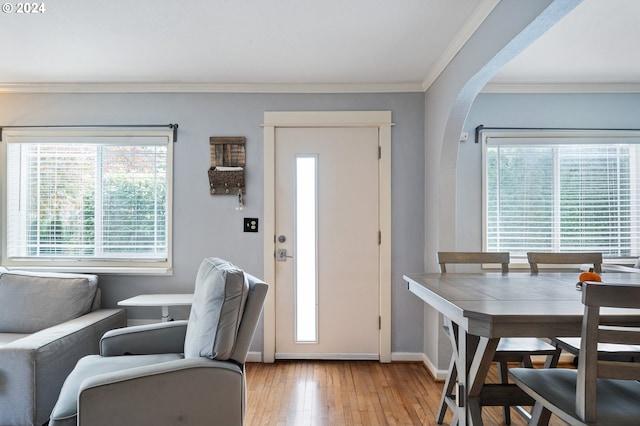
(348, 393)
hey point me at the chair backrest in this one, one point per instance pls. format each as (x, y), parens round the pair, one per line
(539, 258)
(468, 257)
(250, 317)
(226, 307)
(590, 367)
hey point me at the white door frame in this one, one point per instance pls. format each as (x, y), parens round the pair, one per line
(379, 119)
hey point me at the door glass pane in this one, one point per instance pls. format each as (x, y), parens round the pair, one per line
(306, 249)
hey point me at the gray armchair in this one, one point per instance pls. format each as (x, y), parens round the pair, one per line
(182, 372)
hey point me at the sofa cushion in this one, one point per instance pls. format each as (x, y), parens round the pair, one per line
(6, 338)
(30, 302)
(218, 303)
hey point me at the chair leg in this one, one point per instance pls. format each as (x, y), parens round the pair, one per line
(503, 373)
(447, 391)
(552, 360)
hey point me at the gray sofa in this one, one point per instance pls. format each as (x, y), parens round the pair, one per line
(48, 321)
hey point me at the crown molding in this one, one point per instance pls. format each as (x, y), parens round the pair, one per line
(462, 36)
(207, 88)
(561, 88)
(306, 88)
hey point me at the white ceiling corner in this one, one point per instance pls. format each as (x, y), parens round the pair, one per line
(299, 46)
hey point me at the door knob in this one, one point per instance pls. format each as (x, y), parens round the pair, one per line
(281, 255)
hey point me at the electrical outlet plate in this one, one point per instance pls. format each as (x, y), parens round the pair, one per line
(250, 224)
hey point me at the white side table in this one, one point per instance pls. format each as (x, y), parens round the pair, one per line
(162, 300)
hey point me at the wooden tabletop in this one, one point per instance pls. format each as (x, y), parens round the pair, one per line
(513, 304)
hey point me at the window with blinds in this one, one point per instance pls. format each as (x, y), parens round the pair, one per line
(563, 192)
(99, 198)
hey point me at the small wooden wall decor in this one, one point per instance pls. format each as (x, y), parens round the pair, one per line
(226, 174)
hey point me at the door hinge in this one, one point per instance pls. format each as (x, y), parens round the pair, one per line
(379, 323)
(379, 152)
(379, 237)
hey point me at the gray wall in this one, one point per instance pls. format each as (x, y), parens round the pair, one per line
(527, 110)
(510, 27)
(206, 225)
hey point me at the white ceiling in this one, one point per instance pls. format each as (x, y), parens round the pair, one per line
(356, 43)
(596, 43)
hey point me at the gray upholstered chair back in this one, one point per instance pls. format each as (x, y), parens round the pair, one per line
(226, 308)
(250, 318)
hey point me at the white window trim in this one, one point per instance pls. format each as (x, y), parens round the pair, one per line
(129, 267)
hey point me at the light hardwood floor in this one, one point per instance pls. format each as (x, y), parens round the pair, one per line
(348, 393)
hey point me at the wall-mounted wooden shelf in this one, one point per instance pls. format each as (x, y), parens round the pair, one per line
(228, 159)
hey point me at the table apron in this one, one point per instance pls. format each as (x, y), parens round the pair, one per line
(526, 329)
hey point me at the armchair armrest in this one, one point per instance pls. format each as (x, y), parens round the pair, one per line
(157, 338)
(32, 369)
(188, 391)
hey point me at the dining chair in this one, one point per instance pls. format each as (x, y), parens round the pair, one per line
(519, 349)
(606, 351)
(539, 258)
(572, 344)
(472, 257)
(599, 392)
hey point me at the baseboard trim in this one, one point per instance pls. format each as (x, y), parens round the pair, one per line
(254, 356)
(406, 356)
(438, 375)
(134, 322)
(441, 375)
(328, 356)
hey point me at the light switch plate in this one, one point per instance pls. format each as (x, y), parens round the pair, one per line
(250, 224)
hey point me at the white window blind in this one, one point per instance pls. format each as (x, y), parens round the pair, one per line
(563, 194)
(101, 198)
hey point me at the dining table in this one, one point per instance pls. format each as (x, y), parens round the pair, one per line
(485, 307)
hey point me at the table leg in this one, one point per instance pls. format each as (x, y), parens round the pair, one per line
(165, 314)
(466, 350)
(448, 398)
(482, 358)
(473, 356)
(461, 388)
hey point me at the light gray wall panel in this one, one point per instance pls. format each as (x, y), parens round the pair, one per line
(206, 225)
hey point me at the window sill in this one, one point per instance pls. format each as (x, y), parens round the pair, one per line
(115, 270)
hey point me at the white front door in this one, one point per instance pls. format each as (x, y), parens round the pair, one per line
(327, 243)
